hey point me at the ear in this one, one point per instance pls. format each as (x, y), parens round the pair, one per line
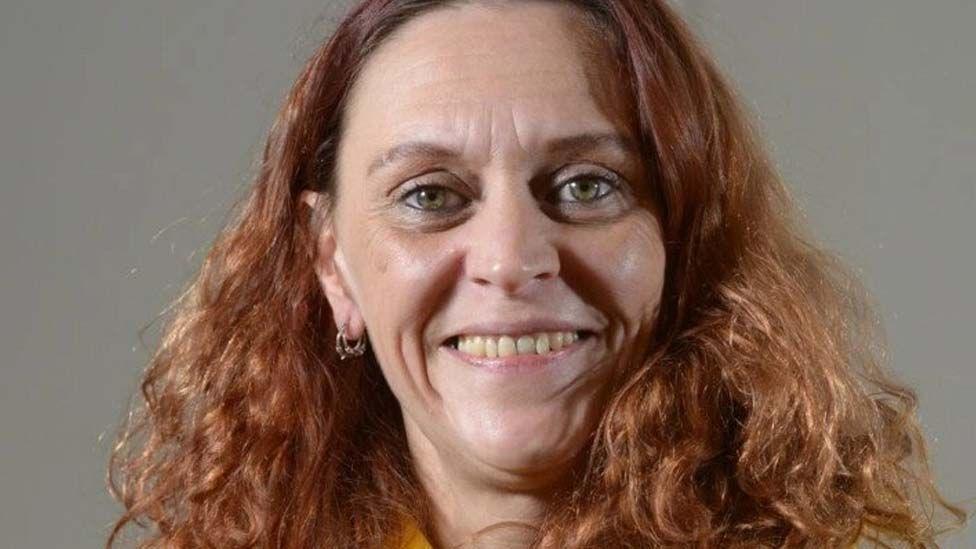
(330, 268)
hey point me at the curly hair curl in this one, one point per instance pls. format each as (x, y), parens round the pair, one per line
(762, 415)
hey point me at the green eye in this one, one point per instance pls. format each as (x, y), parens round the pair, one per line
(584, 189)
(431, 198)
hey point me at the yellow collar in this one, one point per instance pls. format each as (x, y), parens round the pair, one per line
(412, 538)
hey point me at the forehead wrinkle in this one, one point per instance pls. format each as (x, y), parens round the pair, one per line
(429, 95)
(499, 124)
(508, 85)
(385, 63)
(454, 139)
(515, 128)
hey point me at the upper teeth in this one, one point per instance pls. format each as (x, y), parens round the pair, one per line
(502, 346)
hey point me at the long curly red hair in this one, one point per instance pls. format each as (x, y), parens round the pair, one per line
(762, 415)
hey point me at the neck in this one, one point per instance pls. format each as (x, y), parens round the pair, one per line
(472, 507)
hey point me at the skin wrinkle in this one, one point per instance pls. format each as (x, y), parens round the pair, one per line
(764, 415)
(495, 447)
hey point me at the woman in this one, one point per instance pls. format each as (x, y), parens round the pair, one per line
(570, 303)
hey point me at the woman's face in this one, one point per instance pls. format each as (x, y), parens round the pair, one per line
(489, 188)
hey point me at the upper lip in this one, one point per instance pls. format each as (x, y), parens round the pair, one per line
(524, 326)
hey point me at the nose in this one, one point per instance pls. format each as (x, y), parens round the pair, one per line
(511, 243)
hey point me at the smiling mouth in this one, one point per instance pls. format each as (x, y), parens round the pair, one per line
(504, 346)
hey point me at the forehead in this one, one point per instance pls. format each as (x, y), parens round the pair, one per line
(472, 72)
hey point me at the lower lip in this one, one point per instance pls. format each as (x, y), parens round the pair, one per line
(517, 364)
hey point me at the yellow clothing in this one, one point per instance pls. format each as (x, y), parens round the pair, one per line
(413, 538)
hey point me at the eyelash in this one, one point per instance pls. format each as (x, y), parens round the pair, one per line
(611, 183)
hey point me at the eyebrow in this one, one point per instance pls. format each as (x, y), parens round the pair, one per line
(563, 146)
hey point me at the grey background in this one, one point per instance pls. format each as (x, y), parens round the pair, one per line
(127, 129)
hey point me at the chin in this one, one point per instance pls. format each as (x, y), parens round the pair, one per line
(521, 447)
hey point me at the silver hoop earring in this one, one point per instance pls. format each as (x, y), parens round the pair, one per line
(343, 347)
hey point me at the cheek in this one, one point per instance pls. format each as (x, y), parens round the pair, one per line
(642, 262)
(404, 276)
(396, 268)
(630, 259)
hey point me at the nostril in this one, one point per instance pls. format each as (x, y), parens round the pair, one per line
(509, 271)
